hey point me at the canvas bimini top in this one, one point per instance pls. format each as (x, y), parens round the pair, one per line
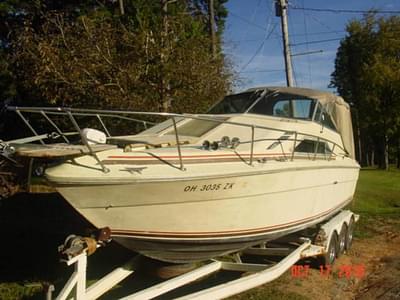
(292, 102)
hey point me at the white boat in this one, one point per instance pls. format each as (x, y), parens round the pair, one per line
(261, 164)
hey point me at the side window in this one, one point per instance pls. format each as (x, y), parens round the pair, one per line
(318, 113)
(324, 118)
(327, 121)
(282, 108)
(310, 146)
(306, 146)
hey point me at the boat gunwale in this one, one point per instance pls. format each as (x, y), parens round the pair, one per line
(123, 181)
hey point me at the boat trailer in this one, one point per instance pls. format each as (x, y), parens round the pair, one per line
(76, 250)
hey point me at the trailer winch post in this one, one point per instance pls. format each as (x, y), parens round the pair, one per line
(77, 279)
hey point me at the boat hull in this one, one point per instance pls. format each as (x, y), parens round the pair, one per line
(196, 219)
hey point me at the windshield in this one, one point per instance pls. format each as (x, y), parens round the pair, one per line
(285, 105)
(235, 104)
(271, 104)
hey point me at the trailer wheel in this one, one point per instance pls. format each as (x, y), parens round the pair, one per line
(349, 235)
(342, 240)
(331, 254)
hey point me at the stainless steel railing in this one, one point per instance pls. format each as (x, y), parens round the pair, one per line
(99, 114)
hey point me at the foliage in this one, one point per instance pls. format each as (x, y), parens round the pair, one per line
(19, 291)
(367, 74)
(154, 56)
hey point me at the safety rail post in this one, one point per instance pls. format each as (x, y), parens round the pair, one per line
(178, 146)
(103, 125)
(316, 149)
(294, 145)
(91, 152)
(333, 148)
(252, 145)
(55, 126)
(29, 125)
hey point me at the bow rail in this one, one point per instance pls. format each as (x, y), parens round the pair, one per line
(100, 115)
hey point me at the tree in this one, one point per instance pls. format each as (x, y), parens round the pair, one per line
(102, 61)
(367, 75)
(382, 79)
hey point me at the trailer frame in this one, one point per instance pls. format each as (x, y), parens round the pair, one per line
(261, 273)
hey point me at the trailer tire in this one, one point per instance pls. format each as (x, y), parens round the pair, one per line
(342, 240)
(349, 234)
(329, 257)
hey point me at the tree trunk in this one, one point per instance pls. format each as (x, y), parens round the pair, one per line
(358, 138)
(164, 107)
(372, 157)
(398, 154)
(385, 161)
(121, 7)
(212, 28)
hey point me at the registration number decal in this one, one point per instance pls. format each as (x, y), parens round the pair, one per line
(209, 187)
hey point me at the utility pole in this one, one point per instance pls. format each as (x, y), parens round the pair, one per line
(281, 11)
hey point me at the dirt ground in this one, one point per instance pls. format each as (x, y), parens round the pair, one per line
(370, 270)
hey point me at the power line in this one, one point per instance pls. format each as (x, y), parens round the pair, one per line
(260, 47)
(308, 50)
(316, 42)
(307, 53)
(248, 22)
(318, 33)
(348, 11)
(263, 71)
(320, 22)
(294, 34)
(251, 21)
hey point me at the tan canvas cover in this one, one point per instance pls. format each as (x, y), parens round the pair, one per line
(334, 105)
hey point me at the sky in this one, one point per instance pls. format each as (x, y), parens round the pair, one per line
(253, 43)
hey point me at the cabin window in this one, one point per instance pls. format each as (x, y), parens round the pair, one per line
(322, 117)
(303, 108)
(281, 109)
(311, 146)
(285, 105)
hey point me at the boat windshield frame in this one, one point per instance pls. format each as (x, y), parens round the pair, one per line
(323, 117)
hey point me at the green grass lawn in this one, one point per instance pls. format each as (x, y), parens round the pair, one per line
(377, 200)
(378, 192)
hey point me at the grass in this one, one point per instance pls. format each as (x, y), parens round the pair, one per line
(16, 291)
(377, 200)
(378, 192)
